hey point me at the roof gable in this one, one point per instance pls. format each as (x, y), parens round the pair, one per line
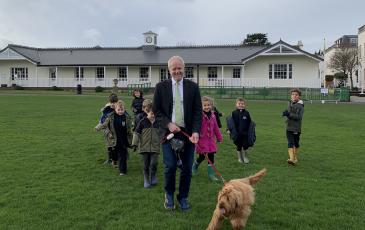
(281, 49)
(16, 52)
(9, 54)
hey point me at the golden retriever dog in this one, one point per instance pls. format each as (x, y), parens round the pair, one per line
(234, 202)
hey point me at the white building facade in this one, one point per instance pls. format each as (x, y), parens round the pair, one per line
(277, 65)
(361, 56)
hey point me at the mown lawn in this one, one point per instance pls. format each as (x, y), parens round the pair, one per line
(52, 174)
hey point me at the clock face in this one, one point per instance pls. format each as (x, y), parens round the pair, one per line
(148, 39)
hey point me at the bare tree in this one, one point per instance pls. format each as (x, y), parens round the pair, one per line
(345, 60)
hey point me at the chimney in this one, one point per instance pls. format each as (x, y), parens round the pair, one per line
(300, 44)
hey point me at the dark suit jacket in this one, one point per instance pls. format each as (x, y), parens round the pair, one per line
(163, 106)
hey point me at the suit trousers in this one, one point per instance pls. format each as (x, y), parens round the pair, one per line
(170, 159)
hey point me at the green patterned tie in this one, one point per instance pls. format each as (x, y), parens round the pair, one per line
(178, 114)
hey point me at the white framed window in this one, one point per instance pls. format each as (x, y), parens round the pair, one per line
(79, 73)
(164, 74)
(143, 73)
(236, 73)
(100, 72)
(19, 73)
(189, 72)
(122, 73)
(52, 73)
(280, 71)
(212, 73)
(353, 40)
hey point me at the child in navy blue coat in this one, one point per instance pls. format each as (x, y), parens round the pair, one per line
(238, 126)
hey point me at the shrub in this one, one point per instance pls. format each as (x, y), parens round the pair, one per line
(55, 88)
(340, 76)
(18, 87)
(329, 77)
(99, 89)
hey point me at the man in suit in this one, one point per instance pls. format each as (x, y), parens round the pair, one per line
(177, 106)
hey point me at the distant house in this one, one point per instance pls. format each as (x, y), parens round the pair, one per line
(361, 56)
(348, 41)
(276, 65)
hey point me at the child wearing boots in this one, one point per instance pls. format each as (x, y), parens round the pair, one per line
(147, 139)
(237, 127)
(118, 135)
(294, 116)
(108, 108)
(209, 133)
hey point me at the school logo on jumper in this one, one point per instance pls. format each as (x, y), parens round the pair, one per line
(123, 123)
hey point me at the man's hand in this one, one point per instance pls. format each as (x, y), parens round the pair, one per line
(194, 138)
(173, 128)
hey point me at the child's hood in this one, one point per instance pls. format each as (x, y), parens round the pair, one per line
(106, 105)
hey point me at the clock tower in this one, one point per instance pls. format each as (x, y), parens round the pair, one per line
(150, 38)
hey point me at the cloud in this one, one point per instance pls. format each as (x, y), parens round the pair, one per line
(92, 36)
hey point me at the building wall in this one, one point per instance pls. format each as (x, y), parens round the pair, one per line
(361, 53)
(305, 72)
(327, 56)
(253, 74)
(5, 70)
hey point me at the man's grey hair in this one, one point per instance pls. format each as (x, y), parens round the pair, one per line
(175, 57)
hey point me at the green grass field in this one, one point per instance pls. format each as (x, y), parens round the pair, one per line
(52, 174)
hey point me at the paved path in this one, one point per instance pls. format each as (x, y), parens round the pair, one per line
(357, 99)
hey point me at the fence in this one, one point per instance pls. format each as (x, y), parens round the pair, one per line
(144, 87)
(262, 93)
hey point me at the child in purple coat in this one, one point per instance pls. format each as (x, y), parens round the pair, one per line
(208, 135)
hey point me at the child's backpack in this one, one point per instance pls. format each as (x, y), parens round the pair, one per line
(251, 136)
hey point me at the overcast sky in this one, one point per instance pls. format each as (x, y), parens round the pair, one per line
(110, 23)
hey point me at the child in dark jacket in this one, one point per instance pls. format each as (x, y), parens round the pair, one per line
(105, 111)
(294, 116)
(137, 101)
(147, 139)
(118, 135)
(238, 125)
(108, 108)
(218, 116)
(146, 105)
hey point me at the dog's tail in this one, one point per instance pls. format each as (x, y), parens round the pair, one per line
(255, 178)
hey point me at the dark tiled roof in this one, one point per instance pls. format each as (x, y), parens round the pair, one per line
(99, 56)
(226, 54)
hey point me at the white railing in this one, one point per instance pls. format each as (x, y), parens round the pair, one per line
(72, 82)
(203, 82)
(254, 82)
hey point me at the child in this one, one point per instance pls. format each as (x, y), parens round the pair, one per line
(118, 135)
(238, 126)
(209, 132)
(147, 139)
(108, 108)
(137, 101)
(217, 115)
(146, 105)
(294, 115)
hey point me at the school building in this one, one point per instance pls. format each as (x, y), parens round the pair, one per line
(276, 65)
